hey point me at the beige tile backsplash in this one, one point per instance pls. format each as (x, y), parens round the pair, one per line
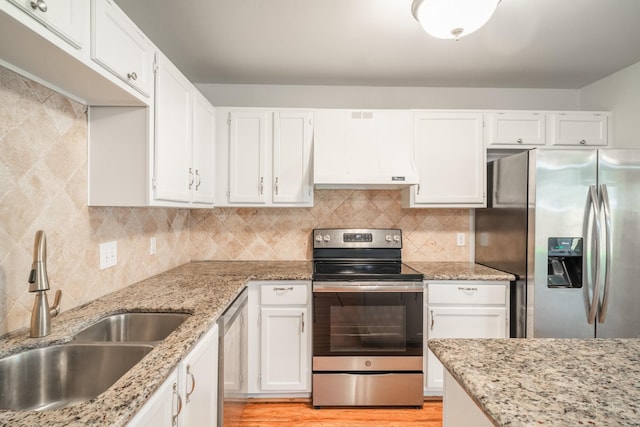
(43, 185)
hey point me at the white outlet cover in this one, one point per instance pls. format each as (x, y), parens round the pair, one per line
(460, 239)
(152, 246)
(108, 254)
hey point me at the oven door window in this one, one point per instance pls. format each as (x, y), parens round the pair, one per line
(367, 323)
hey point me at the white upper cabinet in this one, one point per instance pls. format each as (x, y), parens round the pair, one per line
(63, 17)
(247, 157)
(579, 129)
(173, 174)
(516, 129)
(292, 136)
(451, 160)
(263, 158)
(119, 46)
(203, 136)
(364, 149)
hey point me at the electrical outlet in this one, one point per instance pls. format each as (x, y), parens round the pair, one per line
(460, 239)
(108, 254)
(152, 246)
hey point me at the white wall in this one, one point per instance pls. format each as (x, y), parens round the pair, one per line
(620, 94)
(389, 97)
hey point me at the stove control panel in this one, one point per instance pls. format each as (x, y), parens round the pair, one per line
(357, 238)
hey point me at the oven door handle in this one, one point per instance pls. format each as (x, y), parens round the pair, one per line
(369, 288)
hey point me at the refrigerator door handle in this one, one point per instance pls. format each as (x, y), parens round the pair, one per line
(595, 206)
(604, 197)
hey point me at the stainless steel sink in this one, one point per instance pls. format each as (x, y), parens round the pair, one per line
(63, 375)
(132, 327)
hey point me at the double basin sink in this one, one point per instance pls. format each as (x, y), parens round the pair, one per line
(66, 374)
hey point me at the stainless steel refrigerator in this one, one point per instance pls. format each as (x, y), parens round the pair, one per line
(567, 224)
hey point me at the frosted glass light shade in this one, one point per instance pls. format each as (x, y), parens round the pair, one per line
(452, 19)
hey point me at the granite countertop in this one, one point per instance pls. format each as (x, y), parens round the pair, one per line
(202, 288)
(554, 382)
(458, 271)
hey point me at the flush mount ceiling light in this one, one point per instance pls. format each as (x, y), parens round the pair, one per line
(452, 19)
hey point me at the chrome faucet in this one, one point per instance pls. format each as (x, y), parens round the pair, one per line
(39, 283)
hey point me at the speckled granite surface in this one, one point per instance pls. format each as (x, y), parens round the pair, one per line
(202, 288)
(553, 382)
(458, 271)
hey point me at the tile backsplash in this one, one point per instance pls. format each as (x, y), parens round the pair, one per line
(285, 233)
(43, 185)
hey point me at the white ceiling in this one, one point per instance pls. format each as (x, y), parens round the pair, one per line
(527, 44)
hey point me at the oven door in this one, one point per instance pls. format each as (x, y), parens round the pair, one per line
(367, 319)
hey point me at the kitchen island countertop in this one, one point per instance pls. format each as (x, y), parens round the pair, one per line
(553, 382)
(204, 289)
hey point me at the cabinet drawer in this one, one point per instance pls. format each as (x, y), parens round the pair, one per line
(282, 293)
(466, 293)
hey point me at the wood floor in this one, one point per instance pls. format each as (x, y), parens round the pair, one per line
(301, 414)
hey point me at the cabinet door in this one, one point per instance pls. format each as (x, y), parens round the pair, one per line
(119, 46)
(292, 133)
(461, 322)
(579, 129)
(199, 382)
(283, 343)
(247, 157)
(162, 408)
(516, 129)
(203, 147)
(451, 159)
(64, 17)
(172, 134)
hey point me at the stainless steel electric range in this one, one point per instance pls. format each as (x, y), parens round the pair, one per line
(367, 320)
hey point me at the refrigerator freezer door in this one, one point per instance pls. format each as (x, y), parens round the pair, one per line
(619, 171)
(558, 198)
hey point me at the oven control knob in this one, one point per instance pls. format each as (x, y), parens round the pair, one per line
(367, 363)
(327, 237)
(388, 238)
(396, 238)
(318, 237)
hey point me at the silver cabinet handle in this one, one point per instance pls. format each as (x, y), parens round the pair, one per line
(193, 383)
(460, 288)
(595, 206)
(583, 142)
(276, 185)
(132, 76)
(39, 4)
(198, 180)
(519, 140)
(174, 417)
(604, 198)
(277, 289)
(418, 190)
(432, 320)
(302, 323)
(261, 185)
(190, 178)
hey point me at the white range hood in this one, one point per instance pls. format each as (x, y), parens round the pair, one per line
(364, 149)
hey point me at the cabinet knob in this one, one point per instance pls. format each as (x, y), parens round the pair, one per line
(519, 140)
(583, 142)
(132, 76)
(39, 4)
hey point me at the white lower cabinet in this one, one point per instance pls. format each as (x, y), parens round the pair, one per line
(280, 339)
(458, 409)
(189, 396)
(462, 309)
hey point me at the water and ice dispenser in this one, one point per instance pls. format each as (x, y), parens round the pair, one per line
(564, 262)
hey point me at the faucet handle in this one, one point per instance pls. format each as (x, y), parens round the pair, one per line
(55, 308)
